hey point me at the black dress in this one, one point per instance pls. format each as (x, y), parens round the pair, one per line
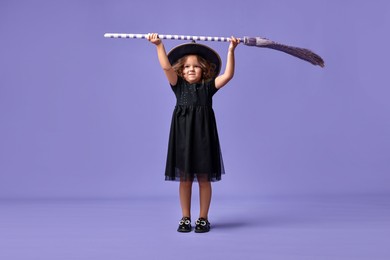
(194, 152)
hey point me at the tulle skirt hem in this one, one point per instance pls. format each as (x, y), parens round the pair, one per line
(180, 175)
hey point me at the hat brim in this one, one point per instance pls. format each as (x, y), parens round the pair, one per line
(198, 49)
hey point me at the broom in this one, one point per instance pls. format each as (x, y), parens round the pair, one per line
(300, 53)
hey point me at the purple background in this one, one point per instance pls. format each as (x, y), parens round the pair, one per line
(84, 125)
(86, 116)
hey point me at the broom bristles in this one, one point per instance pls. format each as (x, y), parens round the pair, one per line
(301, 53)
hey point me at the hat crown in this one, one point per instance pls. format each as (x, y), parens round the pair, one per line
(195, 49)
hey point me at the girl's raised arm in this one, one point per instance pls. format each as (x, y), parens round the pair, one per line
(163, 58)
(224, 78)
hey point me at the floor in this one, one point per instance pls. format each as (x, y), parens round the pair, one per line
(313, 227)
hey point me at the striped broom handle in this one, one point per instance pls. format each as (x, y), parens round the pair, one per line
(168, 37)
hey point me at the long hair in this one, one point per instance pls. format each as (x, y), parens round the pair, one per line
(208, 69)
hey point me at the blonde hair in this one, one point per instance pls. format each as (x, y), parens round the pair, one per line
(208, 68)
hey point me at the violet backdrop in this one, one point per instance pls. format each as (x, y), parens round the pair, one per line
(86, 116)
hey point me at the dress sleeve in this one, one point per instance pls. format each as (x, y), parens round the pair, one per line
(179, 83)
(211, 87)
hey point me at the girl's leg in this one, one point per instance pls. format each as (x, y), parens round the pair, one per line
(205, 192)
(185, 191)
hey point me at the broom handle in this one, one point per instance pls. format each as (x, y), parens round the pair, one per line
(168, 37)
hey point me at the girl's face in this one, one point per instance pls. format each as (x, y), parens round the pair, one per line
(192, 72)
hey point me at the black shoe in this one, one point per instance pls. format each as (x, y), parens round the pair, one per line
(184, 225)
(202, 225)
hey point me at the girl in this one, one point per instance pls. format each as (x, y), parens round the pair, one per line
(194, 152)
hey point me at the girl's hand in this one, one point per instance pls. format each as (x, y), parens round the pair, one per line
(153, 38)
(233, 43)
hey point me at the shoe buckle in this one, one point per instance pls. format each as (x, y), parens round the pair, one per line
(201, 222)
